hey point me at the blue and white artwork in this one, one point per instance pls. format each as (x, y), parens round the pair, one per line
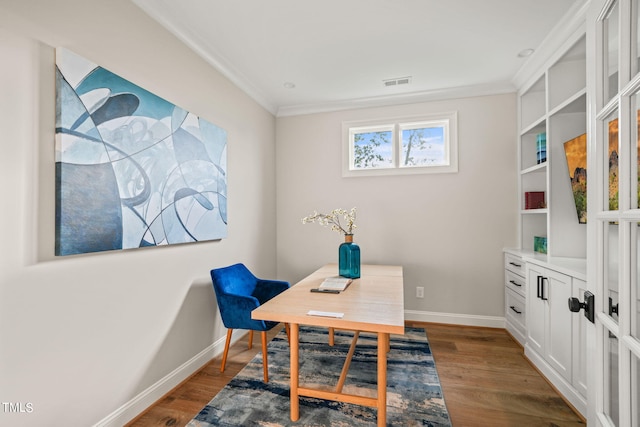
(132, 170)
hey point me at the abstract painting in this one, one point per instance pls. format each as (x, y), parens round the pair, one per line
(576, 153)
(132, 169)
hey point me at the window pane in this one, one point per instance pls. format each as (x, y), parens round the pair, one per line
(612, 126)
(635, 390)
(635, 161)
(611, 239)
(400, 146)
(424, 146)
(635, 58)
(611, 372)
(635, 281)
(611, 52)
(372, 150)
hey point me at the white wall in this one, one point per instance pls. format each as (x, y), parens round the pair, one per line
(447, 230)
(82, 335)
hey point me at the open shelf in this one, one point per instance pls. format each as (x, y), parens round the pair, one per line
(533, 103)
(554, 104)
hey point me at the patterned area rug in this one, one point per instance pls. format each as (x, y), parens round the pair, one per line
(414, 396)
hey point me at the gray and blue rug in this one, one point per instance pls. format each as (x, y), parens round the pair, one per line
(414, 395)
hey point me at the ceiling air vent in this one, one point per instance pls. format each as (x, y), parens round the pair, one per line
(397, 81)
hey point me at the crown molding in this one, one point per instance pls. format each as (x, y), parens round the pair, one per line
(566, 32)
(216, 60)
(407, 98)
(572, 23)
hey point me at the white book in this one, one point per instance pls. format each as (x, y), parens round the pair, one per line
(336, 283)
(325, 314)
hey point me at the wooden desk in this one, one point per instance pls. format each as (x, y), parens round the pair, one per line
(372, 303)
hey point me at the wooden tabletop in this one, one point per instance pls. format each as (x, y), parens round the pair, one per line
(374, 302)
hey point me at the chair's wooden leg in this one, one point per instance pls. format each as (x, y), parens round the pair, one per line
(331, 337)
(250, 339)
(287, 329)
(226, 350)
(265, 362)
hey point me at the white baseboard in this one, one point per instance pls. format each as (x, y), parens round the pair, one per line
(151, 395)
(455, 319)
(562, 386)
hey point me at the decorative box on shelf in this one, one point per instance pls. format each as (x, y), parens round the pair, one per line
(541, 147)
(540, 244)
(534, 200)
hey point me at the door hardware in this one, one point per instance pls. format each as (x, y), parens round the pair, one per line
(612, 308)
(575, 306)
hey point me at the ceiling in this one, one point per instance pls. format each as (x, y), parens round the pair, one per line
(293, 56)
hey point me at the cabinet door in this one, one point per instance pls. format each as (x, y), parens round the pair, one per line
(579, 365)
(557, 290)
(536, 310)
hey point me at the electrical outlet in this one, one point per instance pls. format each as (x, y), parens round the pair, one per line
(419, 292)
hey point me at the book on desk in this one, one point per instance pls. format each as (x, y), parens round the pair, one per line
(335, 283)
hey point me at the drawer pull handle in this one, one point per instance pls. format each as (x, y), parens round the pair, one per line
(515, 283)
(515, 264)
(514, 309)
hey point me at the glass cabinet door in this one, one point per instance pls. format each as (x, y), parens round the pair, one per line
(614, 205)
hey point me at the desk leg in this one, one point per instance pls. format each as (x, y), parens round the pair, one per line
(383, 345)
(294, 374)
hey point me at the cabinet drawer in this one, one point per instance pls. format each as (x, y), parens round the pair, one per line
(514, 264)
(515, 282)
(515, 310)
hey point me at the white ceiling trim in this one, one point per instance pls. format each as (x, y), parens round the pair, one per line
(560, 33)
(217, 61)
(408, 98)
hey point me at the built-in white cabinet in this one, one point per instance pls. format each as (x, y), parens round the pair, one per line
(549, 331)
(554, 337)
(515, 297)
(552, 116)
(579, 341)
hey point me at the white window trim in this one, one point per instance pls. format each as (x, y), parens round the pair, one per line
(398, 124)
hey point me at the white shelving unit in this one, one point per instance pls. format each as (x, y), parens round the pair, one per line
(537, 285)
(554, 104)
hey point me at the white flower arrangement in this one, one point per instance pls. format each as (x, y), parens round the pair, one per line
(333, 219)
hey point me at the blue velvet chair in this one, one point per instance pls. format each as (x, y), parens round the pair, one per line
(239, 292)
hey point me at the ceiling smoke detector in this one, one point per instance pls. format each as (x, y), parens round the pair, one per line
(397, 81)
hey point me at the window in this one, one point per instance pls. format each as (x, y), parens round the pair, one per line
(424, 144)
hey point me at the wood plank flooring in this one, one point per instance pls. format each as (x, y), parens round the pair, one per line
(485, 378)
(487, 381)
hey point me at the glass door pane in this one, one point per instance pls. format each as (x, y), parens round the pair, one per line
(635, 160)
(611, 409)
(635, 390)
(635, 281)
(612, 24)
(612, 156)
(635, 37)
(611, 279)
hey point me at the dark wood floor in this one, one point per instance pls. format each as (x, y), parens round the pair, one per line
(485, 378)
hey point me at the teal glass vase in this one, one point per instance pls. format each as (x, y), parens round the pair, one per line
(349, 258)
